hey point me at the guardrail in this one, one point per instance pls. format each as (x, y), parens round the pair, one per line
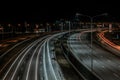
(51, 69)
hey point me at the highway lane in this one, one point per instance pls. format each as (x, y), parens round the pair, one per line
(34, 62)
(31, 70)
(104, 64)
(9, 56)
(17, 69)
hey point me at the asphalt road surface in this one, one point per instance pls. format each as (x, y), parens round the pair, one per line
(99, 61)
(35, 61)
(26, 63)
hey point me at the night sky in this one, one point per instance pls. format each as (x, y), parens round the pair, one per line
(18, 12)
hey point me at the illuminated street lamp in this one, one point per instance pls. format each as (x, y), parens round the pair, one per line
(91, 23)
(9, 25)
(36, 28)
(19, 25)
(11, 29)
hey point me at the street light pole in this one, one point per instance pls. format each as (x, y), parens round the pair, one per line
(61, 27)
(69, 25)
(91, 22)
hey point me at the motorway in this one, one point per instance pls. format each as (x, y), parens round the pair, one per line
(23, 63)
(9, 53)
(31, 60)
(98, 60)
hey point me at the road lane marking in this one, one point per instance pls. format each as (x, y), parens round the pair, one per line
(21, 61)
(17, 59)
(36, 69)
(44, 64)
(116, 75)
(31, 59)
(30, 62)
(14, 63)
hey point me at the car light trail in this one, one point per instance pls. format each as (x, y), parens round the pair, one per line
(104, 39)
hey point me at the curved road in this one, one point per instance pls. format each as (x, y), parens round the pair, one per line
(25, 66)
(36, 61)
(99, 61)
